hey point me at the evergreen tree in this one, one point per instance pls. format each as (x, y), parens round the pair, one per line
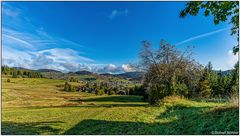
(235, 80)
(204, 85)
(205, 90)
(209, 67)
(66, 87)
(14, 75)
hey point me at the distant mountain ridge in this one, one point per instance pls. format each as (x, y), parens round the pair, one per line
(84, 72)
(132, 75)
(48, 70)
(129, 75)
(21, 68)
(224, 73)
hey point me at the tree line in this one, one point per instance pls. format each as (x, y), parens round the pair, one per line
(173, 72)
(104, 88)
(15, 73)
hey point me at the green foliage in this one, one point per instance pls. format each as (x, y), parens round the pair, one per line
(204, 85)
(115, 89)
(168, 71)
(222, 85)
(205, 90)
(14, 74)
(111, 92)
(73, 89)
(100, 91)
(84, 113)
(72, 79)
(157, 93)
(66, 87)
(69, 88)
(8, 80)
(220, 10)
(20, 73)
(6, 70)
(235, 80)
(136, 90)
(181, 89)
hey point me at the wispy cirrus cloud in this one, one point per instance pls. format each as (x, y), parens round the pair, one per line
(12, 39)
(7, 10)
(201, 36)
(29, 46)
(115, 13)
(66, 54)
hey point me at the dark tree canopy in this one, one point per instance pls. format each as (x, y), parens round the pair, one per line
(220, 10)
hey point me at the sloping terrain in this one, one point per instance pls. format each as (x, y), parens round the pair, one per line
(38, 106)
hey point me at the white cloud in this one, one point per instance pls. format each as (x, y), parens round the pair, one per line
(15, 58)
(64, 60)
(22, 49)
(29, 46)
(113, 69)
(127, 68)
(52, 58)
(232, 59)
(116, 13)
(64, 54)
(68, 66)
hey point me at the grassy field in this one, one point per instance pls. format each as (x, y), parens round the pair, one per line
(38, 106)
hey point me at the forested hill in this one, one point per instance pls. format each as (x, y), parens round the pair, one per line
(58, 74)
(51, 73)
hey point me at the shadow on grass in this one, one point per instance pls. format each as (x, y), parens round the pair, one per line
(13, 128)
(123, 101)
(120, 98)
(91, 106)
(202, 120)
(175, 120)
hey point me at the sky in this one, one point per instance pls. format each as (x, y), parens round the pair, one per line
(105, 37)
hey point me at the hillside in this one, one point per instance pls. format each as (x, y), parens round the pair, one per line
(48, 70)
(55, 74)
(132, 75)
(51, 73)
(38, 106)
(84, 72)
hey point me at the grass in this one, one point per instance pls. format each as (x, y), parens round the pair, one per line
(38, 106)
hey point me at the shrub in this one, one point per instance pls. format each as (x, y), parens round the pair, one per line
(72, 79)
(66, 87)
(73, 88)
(14, 75)
(181, 89)
(8, 80)
(111, 92)
(234, 99)
(100, 91)
(154, 94)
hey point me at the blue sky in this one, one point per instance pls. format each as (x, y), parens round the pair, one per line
(106, 36)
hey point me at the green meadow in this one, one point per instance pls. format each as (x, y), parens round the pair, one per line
(38, 106)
